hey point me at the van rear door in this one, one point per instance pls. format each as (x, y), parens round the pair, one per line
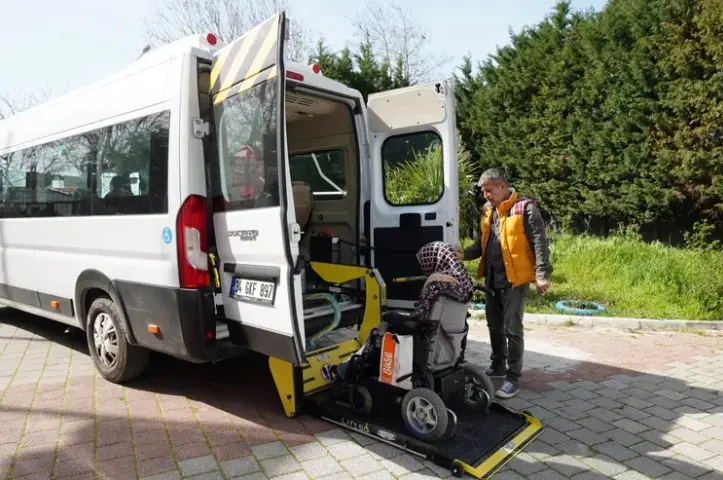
(254, 219)
(413, 143)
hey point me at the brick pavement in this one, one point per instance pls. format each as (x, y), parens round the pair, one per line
(615, 404)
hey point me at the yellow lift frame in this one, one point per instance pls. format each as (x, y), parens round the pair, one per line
(295, 384)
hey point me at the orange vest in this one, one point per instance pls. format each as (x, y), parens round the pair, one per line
(517, 255)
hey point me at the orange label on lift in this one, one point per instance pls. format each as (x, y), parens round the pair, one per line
(386, 374)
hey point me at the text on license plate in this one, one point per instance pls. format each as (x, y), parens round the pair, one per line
(256, 291)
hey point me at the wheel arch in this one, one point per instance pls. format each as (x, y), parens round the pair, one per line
(92, 284)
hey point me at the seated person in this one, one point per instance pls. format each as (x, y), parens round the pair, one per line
(446, 277)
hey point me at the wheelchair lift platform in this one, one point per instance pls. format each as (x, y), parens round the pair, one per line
(480, 444)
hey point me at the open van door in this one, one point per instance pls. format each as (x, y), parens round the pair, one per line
(254, 219)
(413, 148)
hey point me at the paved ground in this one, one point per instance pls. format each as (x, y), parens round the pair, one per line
(616, 405)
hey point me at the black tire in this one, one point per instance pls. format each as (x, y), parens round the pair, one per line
(129, 361)
(360, 399)
(457, 469)
(437, 409)
(473, 373)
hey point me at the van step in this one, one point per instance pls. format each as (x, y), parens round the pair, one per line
(221, 331)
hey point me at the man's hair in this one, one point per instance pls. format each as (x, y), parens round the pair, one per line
(495, 175)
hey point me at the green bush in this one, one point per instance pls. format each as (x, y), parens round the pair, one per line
(421, 180)
(632, 278)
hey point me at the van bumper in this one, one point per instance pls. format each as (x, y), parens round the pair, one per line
(186, 319)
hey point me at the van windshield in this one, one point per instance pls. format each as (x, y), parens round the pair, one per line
(247, 127)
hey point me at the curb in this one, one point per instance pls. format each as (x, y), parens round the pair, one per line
(614, 322)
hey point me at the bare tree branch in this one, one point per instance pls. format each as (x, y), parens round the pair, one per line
(227, 19)
(394, 34)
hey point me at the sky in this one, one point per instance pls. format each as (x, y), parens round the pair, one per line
(55, 46)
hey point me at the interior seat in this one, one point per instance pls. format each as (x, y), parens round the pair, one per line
(303, 203)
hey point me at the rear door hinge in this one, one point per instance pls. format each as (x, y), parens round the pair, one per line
(201, 128)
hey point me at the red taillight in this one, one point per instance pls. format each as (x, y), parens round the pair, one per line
(295, 76)
(192, 243)
(211, 39)
(316, 68)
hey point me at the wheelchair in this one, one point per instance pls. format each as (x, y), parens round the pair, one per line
(439, 373)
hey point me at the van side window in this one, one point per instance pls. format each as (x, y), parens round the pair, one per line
(247, 149)
(323, 171)
(115, 170)
(412, 169)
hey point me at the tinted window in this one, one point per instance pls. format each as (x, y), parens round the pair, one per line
(247, 150)
(413, 169)
(322, 171)
(121, 169)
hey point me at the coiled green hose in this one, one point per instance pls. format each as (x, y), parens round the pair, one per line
(311, 343)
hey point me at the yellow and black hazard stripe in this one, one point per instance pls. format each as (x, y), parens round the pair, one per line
(248, 61)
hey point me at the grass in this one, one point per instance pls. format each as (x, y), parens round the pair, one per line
(632, 278)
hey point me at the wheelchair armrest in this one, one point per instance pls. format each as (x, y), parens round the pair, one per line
(401, 323)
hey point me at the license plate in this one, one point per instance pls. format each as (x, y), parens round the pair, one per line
(253, 291)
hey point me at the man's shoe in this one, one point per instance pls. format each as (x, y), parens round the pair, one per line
(508, 390)
(496, 373)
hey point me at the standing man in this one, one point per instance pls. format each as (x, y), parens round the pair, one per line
(514, 252)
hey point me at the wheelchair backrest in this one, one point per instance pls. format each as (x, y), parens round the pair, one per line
(450, 314)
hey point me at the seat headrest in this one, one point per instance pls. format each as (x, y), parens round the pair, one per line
(303, 203)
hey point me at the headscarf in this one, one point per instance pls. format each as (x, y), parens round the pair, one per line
(439, 257)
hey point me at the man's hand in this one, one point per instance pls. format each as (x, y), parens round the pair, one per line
(459, 251)
(542, 286)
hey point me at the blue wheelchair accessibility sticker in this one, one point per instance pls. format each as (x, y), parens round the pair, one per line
(167, 235)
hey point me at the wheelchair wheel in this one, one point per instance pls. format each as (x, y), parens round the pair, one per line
(360, 399)
(424, 414)
(478, 388)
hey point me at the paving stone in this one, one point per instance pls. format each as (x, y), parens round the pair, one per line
(240, 466)
(378, 475)
(586, 436)
(616, 451)
(597, 426)
(650, 467)
(331, 437)
(344, 450)
(208, 476)
(604, 414)
(562, 424)
(308, 451)
(402, 464)
(630, 426)
(631, 475)
(567, 465)
(361, 465)
(590, 476)
(526, 464)
(269, 450)
(320, 467)
(547, 475)
(198, 465)
(606, 465)
(692, 451)
(691, 424)
(280, 465)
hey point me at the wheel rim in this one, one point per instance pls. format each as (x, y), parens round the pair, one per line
(422, 415)
(474, 391)
(105, 340)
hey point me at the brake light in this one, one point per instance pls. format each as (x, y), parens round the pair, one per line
(295, 76)
(192, 243)
(211, 39)
(316, 68)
